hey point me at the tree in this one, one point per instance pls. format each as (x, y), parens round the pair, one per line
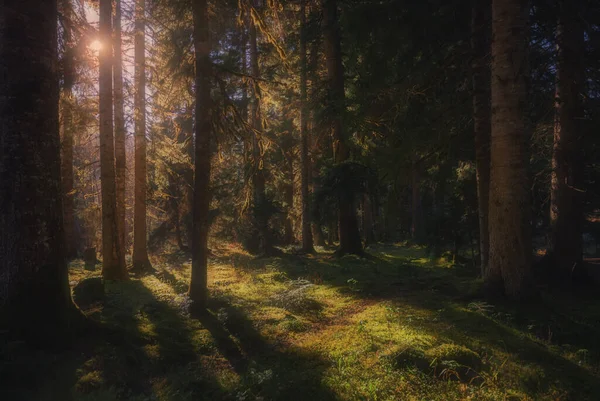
(566, 193)
(203, 128)
(480, 70)
(261, 209)
(140, 248)
(35, 298)
(307, 239)
(348, 224)
(68, 67)
(119, 109)
(509, 208)
(113, 255)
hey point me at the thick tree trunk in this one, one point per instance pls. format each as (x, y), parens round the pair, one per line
(510, 204)
(119, 108)
(307, 238)
(480, 70)
(113, 257)
(368, 232)
(140, 248)
(198, 283)
(258, 173)
(567, 169)
(68, 184)
(348, 224)
(35, 298)
(314, 142)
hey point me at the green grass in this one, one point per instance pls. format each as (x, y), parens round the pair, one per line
(397, 326)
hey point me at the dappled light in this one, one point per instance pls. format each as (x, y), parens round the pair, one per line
(310, 200)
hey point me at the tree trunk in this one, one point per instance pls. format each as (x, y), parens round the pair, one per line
(119, 108)
(35, 298)
(510, 206)
(113, 257)
(67, 133)
(417, 228)
(307, 238)
(140, 248)
(348, 224)
(289, 200)
(198, 283)
(258, 173)
(480, 70)
(567, 169)
(368, 232)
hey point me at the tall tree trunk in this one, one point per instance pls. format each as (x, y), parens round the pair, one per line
(289, 200)
(67, 132)
(113, 257)
(348, 224)
(567, 169)
(510, 208)
(119, 108)
(307, 238)
(258, 174)
(198, 283)
(480, 70)
(315, 143)
(140, 248)
(35, 298)
(368, 232)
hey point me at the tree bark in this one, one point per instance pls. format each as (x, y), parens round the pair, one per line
(567, 170)
(203, 127)
(510, 205)
(113, 257)
(480, 70)
(348, 224)
(258, 173)
(68, 184)
(289, 200)
(35, 298)
(119, 109)
(307, 238)
(140, 244)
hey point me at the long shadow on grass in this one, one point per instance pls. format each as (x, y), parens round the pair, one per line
(266, 371)
(149, 345)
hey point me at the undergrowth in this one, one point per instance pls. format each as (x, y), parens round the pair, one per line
(396, 326)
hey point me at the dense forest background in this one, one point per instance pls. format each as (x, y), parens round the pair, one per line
(139, 134)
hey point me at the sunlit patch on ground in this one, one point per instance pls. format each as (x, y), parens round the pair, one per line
(394, 326)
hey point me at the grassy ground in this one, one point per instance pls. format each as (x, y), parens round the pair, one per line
(397, 326)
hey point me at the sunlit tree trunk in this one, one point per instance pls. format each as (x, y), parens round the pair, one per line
(119, 108)
(140, 243)
(35, 298)
(510, 204)
(67, 131)
(480, 70)
(258, 173)
(307, 239)
(113, 267)
(348, 224)
(567, 169)
(198, 286)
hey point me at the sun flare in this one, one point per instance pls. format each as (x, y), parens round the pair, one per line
(96, 45)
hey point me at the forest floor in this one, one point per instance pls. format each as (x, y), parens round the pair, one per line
(396, 326)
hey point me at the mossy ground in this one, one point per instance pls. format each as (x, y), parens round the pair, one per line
(396, 326)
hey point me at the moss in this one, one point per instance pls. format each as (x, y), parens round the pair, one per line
(452, 361)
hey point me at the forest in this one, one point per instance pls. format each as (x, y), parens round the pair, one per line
(255, 200)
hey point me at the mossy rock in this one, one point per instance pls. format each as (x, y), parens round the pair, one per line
(454, 362)
(88, 291)
(411, 357)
